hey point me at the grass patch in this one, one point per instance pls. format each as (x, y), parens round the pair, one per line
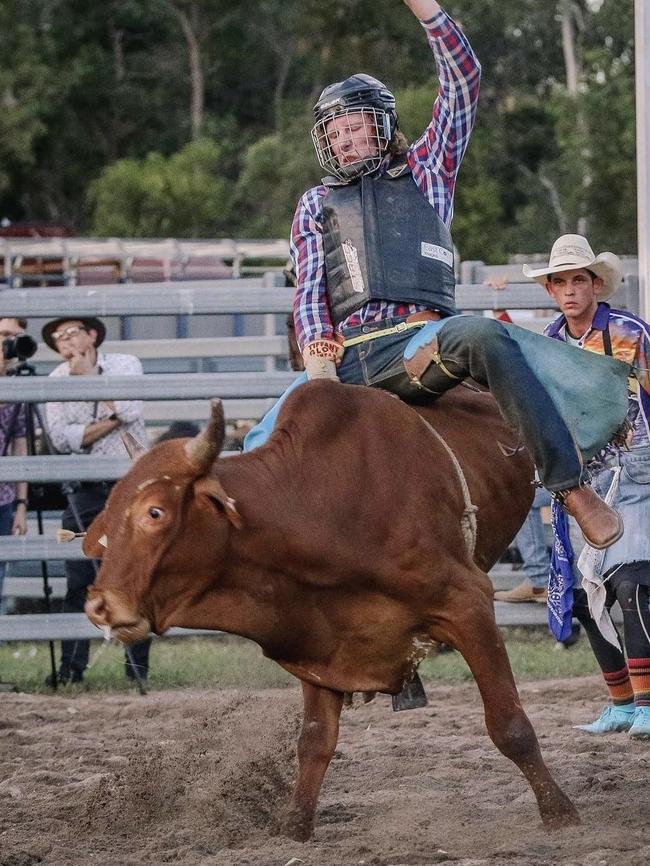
(206, 662)
(533, 654)
(202, 662)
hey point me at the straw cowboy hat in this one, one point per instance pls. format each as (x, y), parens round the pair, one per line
(572, 252)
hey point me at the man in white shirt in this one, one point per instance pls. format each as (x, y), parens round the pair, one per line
(89, 427)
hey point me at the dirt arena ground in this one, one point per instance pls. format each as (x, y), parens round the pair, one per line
(191, 777)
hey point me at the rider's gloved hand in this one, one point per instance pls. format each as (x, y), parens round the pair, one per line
(321, 358)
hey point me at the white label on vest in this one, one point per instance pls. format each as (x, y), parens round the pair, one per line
(354, 268)
(433, 251)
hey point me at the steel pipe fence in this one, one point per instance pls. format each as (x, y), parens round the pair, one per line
(240, 296)
(243, 296)
(69, 626)
(152, 386)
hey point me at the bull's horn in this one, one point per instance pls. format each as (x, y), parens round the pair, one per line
(134, 448)
(206, 446)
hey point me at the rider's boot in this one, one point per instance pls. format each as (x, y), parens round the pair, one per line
(600, 524)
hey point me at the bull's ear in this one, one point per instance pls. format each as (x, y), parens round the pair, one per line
(205, 447)
(95, 542)
(211, 487)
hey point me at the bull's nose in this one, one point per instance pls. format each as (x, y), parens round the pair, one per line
(106, 608)
(96, 611)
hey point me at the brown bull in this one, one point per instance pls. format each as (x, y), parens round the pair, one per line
(342, 547)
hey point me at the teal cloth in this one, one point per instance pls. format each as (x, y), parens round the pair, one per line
(590, 391)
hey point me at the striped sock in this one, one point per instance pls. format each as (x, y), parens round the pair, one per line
(640, 678)
(619, 687)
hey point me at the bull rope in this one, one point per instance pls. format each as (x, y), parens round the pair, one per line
(468, 521)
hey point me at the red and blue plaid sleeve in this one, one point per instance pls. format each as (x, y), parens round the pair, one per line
(436, 156)
(311, 313)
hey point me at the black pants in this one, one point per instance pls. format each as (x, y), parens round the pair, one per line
(630, 587)
(88, 501)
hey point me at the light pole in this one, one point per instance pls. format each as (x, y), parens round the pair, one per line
(642, 73)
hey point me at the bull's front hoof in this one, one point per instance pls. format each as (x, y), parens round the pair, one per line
(560, 814)
(297, 826)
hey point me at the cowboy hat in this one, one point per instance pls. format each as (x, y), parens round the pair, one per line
(572, 252)
(89, 322)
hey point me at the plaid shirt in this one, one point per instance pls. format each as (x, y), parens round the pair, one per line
(434, 160)
(630, 338)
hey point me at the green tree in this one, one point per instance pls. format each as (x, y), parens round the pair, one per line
(183, 195)
(88, 84)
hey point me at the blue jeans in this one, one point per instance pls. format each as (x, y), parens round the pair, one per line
(6, 522)
(632, 501)
(531, 541)
(496, 357)
(480, 348)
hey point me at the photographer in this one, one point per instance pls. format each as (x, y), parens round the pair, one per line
(13, 440)
(13, 437)
(89, 427)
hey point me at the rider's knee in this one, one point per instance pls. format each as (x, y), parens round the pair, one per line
(480, 332)
(627, 592)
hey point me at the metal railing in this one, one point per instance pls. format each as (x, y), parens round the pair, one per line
(253, 392)
(66, 260)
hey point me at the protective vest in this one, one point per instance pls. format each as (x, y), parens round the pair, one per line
(384, 241)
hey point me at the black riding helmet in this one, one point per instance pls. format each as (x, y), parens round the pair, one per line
(363, 94)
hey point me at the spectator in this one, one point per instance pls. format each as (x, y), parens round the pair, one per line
(13, 440)
(87, 427)
(581, 283)
(531, 542)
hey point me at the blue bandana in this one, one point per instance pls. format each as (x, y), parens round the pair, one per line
(560, 583)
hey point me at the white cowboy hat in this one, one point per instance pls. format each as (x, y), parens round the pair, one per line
(572, 252)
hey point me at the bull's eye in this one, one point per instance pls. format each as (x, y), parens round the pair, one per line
(155, 513)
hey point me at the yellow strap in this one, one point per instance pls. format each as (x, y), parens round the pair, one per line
(403, 326)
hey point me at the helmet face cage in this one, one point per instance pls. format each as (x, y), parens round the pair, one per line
(365, 148)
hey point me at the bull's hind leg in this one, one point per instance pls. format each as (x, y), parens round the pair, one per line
(316, 744)
(470, 626)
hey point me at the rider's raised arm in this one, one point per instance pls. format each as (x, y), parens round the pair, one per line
(436, 156)
(423, 9)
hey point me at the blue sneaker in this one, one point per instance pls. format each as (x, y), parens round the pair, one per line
(641, 723)
(612, 719)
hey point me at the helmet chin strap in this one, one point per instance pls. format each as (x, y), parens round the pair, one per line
(359, 168)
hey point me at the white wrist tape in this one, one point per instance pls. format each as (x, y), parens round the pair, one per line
(321, 358)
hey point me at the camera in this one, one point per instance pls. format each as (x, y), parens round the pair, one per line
(21, 346)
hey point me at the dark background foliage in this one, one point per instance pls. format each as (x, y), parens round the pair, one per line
(191, 117)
